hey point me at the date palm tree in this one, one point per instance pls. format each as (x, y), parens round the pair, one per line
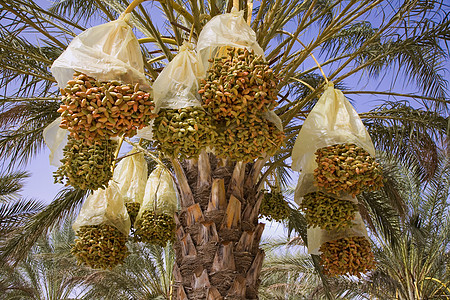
(354, 40)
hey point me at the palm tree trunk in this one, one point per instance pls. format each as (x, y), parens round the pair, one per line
(217, 239)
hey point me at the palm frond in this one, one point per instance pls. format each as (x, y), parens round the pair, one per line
(431, 202)
(26, 65)
(22, 126)
(80, 11)
(48, 272)
(145, 274)
(410, 134)
(288, 275)
(15, 214)
(16, 247)
(27, 17)
(348, 39)
(12, 284)
(11, 184)
(380, 215)
(44, 14)
(297, 223)
(301, 91)
(415, 51)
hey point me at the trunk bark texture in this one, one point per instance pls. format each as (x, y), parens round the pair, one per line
(217, 240)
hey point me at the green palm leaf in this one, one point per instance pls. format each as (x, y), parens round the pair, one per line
(48, 271)
(413, 135)
(16, 213)
(22, 125)
(145, 274)
(17, 246)
(11, 184)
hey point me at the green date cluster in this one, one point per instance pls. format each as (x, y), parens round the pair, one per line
(183, 132)
(274, 207)
(86, 166)
(133, 210)
(327, 212)
(240, 87)
(155, 228)
(239, 83)
(245, 141)
(100, 246)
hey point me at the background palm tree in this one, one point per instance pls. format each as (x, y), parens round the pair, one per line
(48, 272)
(14, 210)
(145, 274)
(415, 266)
(292, 274)
(288, 272)
(349, 38)
(412, 257)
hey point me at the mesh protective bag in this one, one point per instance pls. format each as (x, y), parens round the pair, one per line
(102, 228)
(130, 175)
(226, 30)
(160, 194)
(56, 139)
(177, 85)
(182, 126)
